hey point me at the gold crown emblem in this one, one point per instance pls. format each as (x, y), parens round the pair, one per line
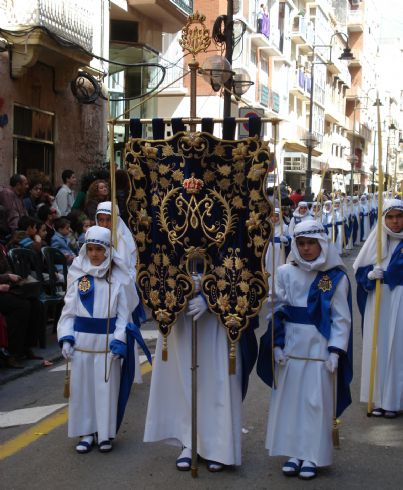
(193, 185)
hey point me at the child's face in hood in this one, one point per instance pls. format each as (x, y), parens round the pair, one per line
(95, 253)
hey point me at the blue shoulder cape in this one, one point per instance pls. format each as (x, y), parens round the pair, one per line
(393, 276)
(316, 313)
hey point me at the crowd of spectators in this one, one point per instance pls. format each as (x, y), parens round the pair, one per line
(32, 216)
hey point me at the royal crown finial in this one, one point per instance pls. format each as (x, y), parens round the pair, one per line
(193, 185)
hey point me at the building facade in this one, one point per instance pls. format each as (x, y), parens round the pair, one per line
(44, 128)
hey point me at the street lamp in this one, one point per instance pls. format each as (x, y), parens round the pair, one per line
(216, 70)
(346, 55)
(352, 154)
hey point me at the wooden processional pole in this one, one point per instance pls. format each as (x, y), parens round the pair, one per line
(378, 263)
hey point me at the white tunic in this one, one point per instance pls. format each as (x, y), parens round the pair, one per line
(301, 407)
(365, 223)
(327, 219)
(93, 403)
(356, 213)
(278, 258)
(219, 394)
(388, 388)
(339, 241)
(297, 219)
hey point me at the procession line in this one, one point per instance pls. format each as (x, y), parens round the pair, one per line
(42, 428)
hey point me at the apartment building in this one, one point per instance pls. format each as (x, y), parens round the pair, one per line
(143, 31)
(277, 49)
(43, 45)
(363, 29)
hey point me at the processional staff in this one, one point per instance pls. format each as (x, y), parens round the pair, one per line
(378, 262)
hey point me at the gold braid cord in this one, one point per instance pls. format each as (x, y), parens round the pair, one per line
(195, 195)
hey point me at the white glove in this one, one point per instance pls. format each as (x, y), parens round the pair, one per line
(332, 362)
(283, 239)
(67, 350)
(279, 356)
(197, 282)
(113, 356)
(197, 306)
(376, 273)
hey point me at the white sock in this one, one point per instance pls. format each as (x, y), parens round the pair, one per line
(291, 460)
(307, 464)
(88, 439)
(186, 453)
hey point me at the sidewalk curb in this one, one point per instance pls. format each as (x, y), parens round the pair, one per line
(13, 374)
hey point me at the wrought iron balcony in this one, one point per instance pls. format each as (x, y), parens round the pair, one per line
(68, 19)
(185, 5)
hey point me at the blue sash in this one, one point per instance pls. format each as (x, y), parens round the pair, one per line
(94, 325)
(127, 374)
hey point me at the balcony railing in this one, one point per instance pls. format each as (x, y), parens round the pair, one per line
(171, 78)
(185, 5)
(269, 98)
(68, 19)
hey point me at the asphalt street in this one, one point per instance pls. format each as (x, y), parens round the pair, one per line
(38, 455)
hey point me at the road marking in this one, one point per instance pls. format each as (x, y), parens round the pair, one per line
(26, 416)
(149, 334)
(42, 428)
(62, 367)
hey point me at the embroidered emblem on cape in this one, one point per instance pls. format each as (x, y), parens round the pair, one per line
(84, 285)
(325, 284)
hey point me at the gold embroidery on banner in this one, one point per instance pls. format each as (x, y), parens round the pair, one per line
(325, 284)
(227, 182)
(84, 285)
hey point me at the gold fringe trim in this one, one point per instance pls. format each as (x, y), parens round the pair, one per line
(232, 359)
(164, 353)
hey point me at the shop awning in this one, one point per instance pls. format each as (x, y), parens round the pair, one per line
(298, 146)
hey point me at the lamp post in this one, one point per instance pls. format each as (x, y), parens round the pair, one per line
(346, 55)
(353, 157)
(373, 165)
(229, 47)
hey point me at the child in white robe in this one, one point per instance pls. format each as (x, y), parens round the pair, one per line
(125, 246)
(311, 342)
(356, 218)
(280, 249)
(86, 337)
(339, 220)
(388, 387)
(365, 225)
(327, 219)
(301, 213)
(127, 250)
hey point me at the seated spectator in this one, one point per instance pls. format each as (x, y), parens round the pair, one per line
(27, 234)
(97, 192)
(24, 316)
(60, 239)
(32, 201)
(4, 231)
(76, 218)
(48, 199)
(11, 198)
(47, 216)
